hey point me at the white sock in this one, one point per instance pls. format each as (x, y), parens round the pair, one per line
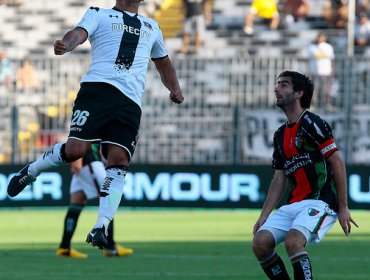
(50, 158)
(113, 188)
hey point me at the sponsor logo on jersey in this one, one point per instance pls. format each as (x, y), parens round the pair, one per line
(129, 29)
(298, 161)
(78, 129)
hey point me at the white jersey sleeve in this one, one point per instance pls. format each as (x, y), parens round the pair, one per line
(159, 50)
(89, 21)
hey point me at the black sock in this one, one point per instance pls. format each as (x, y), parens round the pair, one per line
(302, 266)
(110, 236)
(70, 223)
(274, 268)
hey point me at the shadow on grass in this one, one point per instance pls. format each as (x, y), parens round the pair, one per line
(176, 260)
(151, 260)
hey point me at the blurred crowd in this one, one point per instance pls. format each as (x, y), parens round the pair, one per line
(21, 78)
(280, 14)
(15, 3)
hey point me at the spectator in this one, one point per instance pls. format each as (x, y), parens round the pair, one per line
(266, 9)
(14, 3)
(362, 6)
(335, 12)
(6, 73)
(197, 15)
(321, 56)
(362, 30)
(295, 10)
(27, 76)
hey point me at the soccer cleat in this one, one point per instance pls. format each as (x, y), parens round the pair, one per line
(19, 181)
(118, 251)
(70, 253)
(98, 237)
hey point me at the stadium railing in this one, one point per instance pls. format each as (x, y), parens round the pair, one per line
(228, 116)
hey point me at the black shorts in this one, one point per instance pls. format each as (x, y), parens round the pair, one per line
(102, 113)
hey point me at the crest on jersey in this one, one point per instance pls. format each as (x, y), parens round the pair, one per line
(148, 25)
(298, 142)
(313, 212)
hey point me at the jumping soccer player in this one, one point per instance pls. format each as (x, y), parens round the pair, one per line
(108, 106)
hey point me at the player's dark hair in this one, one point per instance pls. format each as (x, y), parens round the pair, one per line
(301, 82)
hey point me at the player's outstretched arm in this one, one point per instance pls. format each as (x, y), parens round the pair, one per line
(169, 78)
(340, 180)
(70, 41)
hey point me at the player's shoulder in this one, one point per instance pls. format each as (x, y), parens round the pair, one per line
(149, 22)
(312, 121)
(280, 130)
(310, 118)
(98, 10)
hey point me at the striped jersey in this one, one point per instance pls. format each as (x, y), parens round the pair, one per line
(121, 45)
(301, 149)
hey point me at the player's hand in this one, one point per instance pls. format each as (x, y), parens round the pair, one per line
(261, 220)
(176, 97)
(345, 220)
(60, 47)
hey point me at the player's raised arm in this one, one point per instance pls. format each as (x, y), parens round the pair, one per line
(70, 41)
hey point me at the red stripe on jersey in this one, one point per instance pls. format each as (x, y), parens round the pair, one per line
(289, 140)
(328, 147)
(290, 150)
(303, 186)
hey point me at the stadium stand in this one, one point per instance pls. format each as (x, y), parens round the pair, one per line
(31, 28)
(233, 74)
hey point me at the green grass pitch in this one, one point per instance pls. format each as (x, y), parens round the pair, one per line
(168, 244)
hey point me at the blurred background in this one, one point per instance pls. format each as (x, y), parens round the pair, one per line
(225, 127)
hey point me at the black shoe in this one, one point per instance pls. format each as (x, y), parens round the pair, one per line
(19, 181)
(98, 237)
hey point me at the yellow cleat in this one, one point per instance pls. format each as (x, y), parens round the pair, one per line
(70, 253)
(119, 251)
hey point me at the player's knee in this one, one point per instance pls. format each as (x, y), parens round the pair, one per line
(118, 157)
(256, 246)
(74, 151)
(290, 246)
(262, 244)
(294, 244)
(78, 198)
